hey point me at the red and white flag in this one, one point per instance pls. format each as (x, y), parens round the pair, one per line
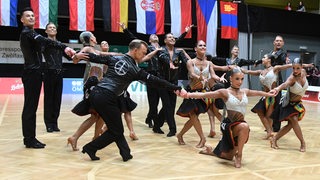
(181, 17)
(81, 15)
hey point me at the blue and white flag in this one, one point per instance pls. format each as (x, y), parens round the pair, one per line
(8, 12)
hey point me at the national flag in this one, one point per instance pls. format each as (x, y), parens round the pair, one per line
(45, 11)
(150, 16)
(8, 13)
(207, 23)
(81, 15)
(181, 17)
(229, 20)
(114, 11)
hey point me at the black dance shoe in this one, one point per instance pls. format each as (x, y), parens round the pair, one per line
(171, 133)
(149, 122)
(37, 141)
(56, 129)
(92, 154)
(35, 144)
(125, 159)
(49, 129)
(157, 130)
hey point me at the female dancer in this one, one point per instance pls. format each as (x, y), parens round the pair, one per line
(294, 111)
(92, 72)
(235, 130)
(268, 78)
(201, 75)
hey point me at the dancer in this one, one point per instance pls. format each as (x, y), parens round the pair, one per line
(202, 77)
(126, 103)
(171, 61)
(104, 97)
(234, 128)
(92, 75)
(153, 94)
(32, 44)
(268, 78)
(52, 80)
(294, 111)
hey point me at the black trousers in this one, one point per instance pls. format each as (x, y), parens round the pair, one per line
(32, 82)
(106, 104)
(153, 101)
(169, 100)
(53, 84)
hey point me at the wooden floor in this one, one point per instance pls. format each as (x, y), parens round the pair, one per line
(154, 156)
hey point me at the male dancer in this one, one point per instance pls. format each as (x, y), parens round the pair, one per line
(31, 44)
(52, 80)
(104, 97)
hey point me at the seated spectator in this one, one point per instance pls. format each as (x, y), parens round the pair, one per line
(288, 7)
(301, 7)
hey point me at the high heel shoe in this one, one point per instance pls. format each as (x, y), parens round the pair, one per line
(212, 134)
(133, 136)
(303, 147)
(273, 143)
(201, 143)
(237, 161)
(180, 139)
(208, 150)
(91, 154)
(73, 144)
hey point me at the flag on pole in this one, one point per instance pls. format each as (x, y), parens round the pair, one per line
(114, 11)
(81, 15)
(207, 23)
(181, 17)
(150, 16)
(45, 11)
(229, 20)
(8, 13)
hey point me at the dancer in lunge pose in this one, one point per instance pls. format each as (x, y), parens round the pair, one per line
(294, 111)
(235, 130)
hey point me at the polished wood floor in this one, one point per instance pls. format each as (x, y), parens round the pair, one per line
(155, 156)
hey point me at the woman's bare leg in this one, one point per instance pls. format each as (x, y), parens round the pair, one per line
(197, 125)
(212, 123)
(98, 127)
(185, 128)
(284, 130)
(266, 124)
(242, 132)
(297, 130)
(82, 128)
(128, 118)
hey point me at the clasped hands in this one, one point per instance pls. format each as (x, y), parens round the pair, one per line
(182, 93)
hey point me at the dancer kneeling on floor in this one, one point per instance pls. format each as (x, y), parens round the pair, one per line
(235, 130)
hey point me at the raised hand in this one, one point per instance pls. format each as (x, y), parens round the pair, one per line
(187, 29)
(122, 25)
(222, 79)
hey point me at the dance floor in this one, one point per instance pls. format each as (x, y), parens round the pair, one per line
(155, 156)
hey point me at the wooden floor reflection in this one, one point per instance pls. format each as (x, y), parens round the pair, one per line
(155, 156)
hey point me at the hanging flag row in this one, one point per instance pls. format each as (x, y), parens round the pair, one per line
(149, 14)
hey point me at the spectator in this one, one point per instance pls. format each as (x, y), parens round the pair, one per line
(301, 7)
(288, 7)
